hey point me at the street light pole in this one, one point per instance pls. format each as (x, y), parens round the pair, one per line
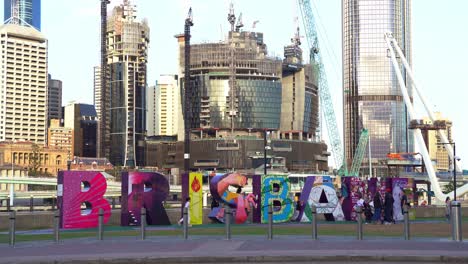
(265, 152)
(454, 174)
(454, 169)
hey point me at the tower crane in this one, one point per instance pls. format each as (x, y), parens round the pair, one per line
(326, 103)
(392, 45)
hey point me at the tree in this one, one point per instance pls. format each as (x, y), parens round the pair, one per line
(449, 186)
(34, 160)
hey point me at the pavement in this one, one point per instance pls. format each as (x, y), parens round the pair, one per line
(240, 249)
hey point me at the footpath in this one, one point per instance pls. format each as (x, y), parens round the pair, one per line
(240, 249)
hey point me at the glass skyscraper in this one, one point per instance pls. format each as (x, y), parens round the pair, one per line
(29, 12)
(371, 95)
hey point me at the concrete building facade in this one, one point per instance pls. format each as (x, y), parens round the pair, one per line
(437, 151)
(60, 137)
(300, 99)
(38, 159)
(127, 56)
(23, 84)
(97, 90)
(163, 105)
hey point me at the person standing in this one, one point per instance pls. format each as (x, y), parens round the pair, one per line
(388, 204)
(404, 201)
(187, 205)
(377, 208)
(447, 208)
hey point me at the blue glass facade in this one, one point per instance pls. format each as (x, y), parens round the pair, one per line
(29, 12)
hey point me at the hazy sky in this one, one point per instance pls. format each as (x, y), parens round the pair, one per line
(440, 51)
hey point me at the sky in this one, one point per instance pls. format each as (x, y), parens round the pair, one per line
(440, 52)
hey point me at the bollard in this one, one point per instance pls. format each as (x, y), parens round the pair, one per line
(57, 226)
(12, 232)
(314, 222)
(101, 224)
(185, 219)
(31, 204)
(270, 222)
(407, 222)
(8, 204)
(113, 202)
(359, 222)
(456, 221)
(143, 224)
(227, 221)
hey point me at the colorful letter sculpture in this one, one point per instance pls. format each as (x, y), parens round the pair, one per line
(144, 190)
(275, 191)
(240, 202)
(319, 191)
(76, 188)
(196, 198)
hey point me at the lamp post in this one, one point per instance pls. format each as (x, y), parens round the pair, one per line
(265, 148)
(454, 169)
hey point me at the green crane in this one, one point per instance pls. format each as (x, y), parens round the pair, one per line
(326, 103)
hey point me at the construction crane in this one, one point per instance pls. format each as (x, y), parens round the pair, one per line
(392, 45)
(326, 103)
(187, 90)
(239, 23)
(358, 157)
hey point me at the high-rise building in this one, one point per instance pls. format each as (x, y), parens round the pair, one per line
(29, 11)
(371, 95)
(60, 137)
(23, 84)
(437, 151)
(127, 55)
(163, 102)
(300, 101)
(54, 99)
(97, 90)
(82, 118)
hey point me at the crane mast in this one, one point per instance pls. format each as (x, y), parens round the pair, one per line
(187, 90)
(326, 103)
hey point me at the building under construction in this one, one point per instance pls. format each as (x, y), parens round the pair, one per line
(124, 97)
(236, 95)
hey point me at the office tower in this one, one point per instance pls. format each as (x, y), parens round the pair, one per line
(300, 101)
(23, 84)
(371, 94)
(127, 55)
(82, 118)
(163, 102)
(28, 11)
(97, 90)
(60, 137)
(54, 99)
(437, 151)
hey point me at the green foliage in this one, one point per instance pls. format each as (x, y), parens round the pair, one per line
(34, 161)
(449, 186)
